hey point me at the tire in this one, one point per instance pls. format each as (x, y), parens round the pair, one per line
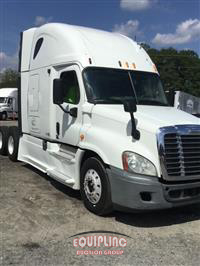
(4, 116)
(13, 143)
(94, 180)
(3, 140)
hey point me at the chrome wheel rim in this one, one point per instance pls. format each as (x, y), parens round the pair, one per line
(11, 145)
(1, 140)
(92, 186)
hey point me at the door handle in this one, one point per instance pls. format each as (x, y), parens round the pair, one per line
(57, 130)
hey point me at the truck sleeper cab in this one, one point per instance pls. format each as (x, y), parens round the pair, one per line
(93, 115)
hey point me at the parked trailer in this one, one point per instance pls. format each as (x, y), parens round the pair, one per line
(187, 102)
(184, 101)
(8, 103)
(94, 116)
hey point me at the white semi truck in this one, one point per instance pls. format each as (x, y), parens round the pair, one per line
(94, 116)
(8, 103)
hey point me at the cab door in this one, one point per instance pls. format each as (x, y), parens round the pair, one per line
(68, 126)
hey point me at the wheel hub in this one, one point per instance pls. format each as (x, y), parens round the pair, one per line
(1, 140)
(11, 145)
(92, 186)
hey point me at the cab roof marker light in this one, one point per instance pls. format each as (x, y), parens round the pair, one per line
(120, 64)
(155, 68)
(134, 66)
(127, 65)
(90, 61)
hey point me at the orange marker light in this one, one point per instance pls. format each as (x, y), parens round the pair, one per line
(155, 68)
(82, 137)
(134, 66)
(125, 161)
(127, 65)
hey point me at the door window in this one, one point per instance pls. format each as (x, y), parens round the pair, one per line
(71, 87)
(10, 100)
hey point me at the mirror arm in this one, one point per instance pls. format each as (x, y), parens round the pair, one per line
(135, 133)
(65, 111)
(72, 111)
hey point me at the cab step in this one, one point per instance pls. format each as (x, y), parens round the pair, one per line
(60, 177)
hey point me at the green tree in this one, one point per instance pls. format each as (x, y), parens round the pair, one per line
(145, 46)
(9, 79)
(179, 70)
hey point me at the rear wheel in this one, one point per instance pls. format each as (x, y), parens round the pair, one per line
(3, 140)
(13, 143)
(95, 187)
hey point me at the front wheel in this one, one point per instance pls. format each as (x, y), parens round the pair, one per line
(13, 143)
(95, 187)
(4, 116)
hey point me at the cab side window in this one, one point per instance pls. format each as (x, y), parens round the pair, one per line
(10, 100)
(37, 47)
(71, 87)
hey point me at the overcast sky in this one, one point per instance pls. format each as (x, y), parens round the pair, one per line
(160, 23)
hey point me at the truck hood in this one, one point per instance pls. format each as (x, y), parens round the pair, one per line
(108, 130)
(148, 118)
(3, 105)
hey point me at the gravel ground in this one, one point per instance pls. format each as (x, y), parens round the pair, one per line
(38, 215)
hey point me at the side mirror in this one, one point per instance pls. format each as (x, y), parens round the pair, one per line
(58, 97)
(130, 106)
(73, 112)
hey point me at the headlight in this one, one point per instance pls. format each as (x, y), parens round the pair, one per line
(133, 162)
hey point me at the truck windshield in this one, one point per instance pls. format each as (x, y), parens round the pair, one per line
(110, 86)
(2, 100)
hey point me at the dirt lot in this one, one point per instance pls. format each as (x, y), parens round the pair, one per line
(38, 215)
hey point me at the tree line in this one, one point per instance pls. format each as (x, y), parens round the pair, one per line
(9, 78)
(179, 70)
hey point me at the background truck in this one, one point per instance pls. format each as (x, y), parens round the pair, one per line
(184, 101)
(187, 102)
(93, 115)
(8, 103)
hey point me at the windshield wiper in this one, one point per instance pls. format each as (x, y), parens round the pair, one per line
(152, 102)
(107, 100)
(111, 100)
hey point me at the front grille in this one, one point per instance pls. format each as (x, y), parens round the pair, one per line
(180, 152)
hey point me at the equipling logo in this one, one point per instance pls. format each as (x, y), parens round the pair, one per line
(100, 244)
